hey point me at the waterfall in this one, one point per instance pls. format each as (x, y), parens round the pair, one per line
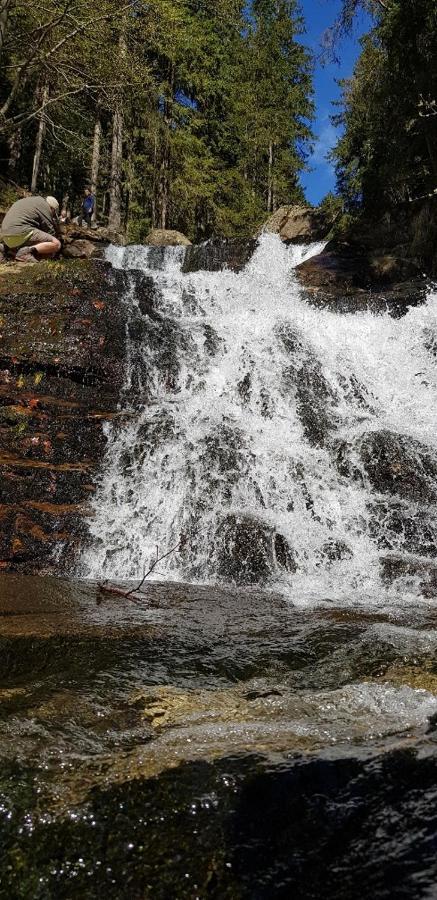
(292, 447)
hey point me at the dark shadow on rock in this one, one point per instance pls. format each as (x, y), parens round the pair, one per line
(217, 254)
(347, 278)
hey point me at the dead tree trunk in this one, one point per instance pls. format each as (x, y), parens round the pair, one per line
(114, 222)
(95, 161)
(5, 6)
(270, 180)
(39, 139)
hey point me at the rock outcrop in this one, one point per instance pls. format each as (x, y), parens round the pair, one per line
(297, 224)
(163, 237)
(348, 278)
(62, 334)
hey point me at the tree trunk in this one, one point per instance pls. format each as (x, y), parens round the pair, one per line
(114, 222)
(270, 180)
(14, 143)
(4, 19)
(95, 161)
(39, 139)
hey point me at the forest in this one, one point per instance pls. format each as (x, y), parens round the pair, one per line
(190, 114)
(197, 114)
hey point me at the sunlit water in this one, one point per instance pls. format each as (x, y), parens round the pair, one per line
(217, 426)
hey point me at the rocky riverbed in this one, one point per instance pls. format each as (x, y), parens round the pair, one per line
(213, 743)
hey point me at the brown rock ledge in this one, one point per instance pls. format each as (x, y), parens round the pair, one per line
(62, 342)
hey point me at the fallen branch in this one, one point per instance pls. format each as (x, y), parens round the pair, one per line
(107, 588)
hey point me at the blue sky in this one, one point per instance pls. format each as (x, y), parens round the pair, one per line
(319, 15)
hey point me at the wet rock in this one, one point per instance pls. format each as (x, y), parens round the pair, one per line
(396, 464)
(400, 527)
(316, 402)
(62, 369)
(217, 254)
(346, 278)
(162, 237)
(297, 224)
(315, 399)
(423, 570)
(250, 551)
(335, 551)
(431, 341)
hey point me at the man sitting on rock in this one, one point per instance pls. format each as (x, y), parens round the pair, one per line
(29, 229)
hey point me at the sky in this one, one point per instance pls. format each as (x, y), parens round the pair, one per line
(319, 15)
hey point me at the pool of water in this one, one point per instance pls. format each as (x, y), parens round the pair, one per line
(205, 742)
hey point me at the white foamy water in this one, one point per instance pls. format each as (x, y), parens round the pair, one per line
(243, 404)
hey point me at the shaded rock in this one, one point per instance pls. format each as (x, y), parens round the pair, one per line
(397, 464)
(81, 249)
(162, 237)
(297, 224)
(217, 254)
(346, 278)
(251, 551)
(79, 242)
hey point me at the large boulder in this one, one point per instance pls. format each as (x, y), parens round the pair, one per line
(251, 551)
(163, 237)
(347, 278)
(297, 224)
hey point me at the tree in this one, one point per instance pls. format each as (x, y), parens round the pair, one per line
(387, 153)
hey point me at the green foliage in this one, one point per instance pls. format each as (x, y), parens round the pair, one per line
(216, 100)
(388, 152)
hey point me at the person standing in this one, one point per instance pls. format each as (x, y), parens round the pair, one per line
(30, 227)
(88, 203)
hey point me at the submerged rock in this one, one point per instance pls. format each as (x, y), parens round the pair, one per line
(217, 254)
(250, 551)
(397, 464)
(422, 570)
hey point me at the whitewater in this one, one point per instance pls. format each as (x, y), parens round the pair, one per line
(241, 403)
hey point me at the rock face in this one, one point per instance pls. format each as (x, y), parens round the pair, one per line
(217, 254)
(162, 237)
(61, 371)
(251, 551)
(297, 224)
(347, 278)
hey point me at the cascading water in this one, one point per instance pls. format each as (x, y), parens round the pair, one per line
(290, 446)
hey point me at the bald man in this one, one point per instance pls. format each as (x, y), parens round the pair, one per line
(30, 227)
